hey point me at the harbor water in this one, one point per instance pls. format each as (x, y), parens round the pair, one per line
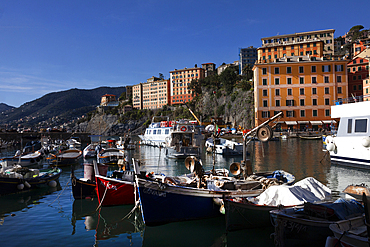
(51, 217)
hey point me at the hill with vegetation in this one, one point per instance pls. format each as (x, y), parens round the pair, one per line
(58, 106)
(5, 107)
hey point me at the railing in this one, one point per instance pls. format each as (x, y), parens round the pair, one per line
(353, 99)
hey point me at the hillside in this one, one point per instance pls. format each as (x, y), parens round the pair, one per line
(5, 107)
(64, 105)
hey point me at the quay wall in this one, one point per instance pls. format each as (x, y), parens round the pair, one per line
(17, 137)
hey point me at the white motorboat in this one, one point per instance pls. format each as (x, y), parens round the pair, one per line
(90, 150)
(351, 144)
(184, 141)
(157, 132)
(224, 146)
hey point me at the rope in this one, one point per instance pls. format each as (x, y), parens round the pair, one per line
(60, 192)
(106, 188)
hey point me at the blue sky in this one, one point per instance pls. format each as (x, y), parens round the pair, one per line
(48, 46)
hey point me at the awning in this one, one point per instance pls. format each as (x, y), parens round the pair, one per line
(280, 122)
(303, 122)
(329, 121)
(291, 122)
(316, 122)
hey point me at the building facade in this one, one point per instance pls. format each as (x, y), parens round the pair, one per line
(247, 57)
(303, 88)
(137, 96)
(152, 94)
(358, 71)
(298, 44)
(179, 82)
(109, 100)
(209, 69)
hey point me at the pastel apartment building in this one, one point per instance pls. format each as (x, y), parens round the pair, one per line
(358, 71)
(302, 87)
(152, 94)
(179, 82)
(314, 43)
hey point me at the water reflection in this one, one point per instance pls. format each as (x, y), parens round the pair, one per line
(108, 222)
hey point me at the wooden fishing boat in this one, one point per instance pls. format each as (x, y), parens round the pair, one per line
(357, 191)
(66, 157)
(27, 159)
(116, 190)
(307, 137)
(110, 156)
(308, 225)
(18, 179)
(241, 213)
(85, 187)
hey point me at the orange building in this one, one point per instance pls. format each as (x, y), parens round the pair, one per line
(314, 43)
(358, 70)
(180, 80)
(151, 95)
(303, 88)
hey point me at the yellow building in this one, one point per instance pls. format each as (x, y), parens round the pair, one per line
(180, 80)
(151, 95)
(302, 87)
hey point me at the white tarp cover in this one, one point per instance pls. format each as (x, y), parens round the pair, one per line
(306, 190)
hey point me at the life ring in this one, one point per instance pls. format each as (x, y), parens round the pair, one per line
(183, 128)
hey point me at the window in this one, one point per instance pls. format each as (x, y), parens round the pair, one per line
(290, 113)
(360, 125)
(303, 113)
(264, 81)
(339, 78)
(354, 77)
(265, 103)
(313, 69)
(339, 89)
(349, 126)
(354, 88)
(301, 69)
(339, 67)
(301, 102)
(301, 91)
(314, 79)
(289, 80)
(265, 114)
(314, 113)
(326, 90)
(264, 71)
(327, 113)
(277, 71)
(326, 68)
(314, 101)
(308, 45)
(314, 90)
(277, 92)
(264, 92)
(289, 102)
(277, 102)
(301, 80)
(359, 69)
(327, 102)
(288, 70)
(354, 69)
(277, 81)
(289, 91)
(326, 79)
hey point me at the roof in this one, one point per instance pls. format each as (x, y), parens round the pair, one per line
(300, 34)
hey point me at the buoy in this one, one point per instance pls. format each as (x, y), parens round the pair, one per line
(52, 184)
(183, 128)
(20, 186)
(365, 142)
(27, 184)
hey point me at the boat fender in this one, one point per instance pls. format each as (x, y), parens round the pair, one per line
(32, 161)
(330, 145)
(365, 141)
(183, 128)
(218, 201)
(38, 159)
(20, 186)
(27, 184)
(52, 184)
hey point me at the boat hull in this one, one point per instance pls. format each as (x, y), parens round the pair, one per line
(294, 231)
(83, 189)
(246, 215)
(112, 191)
(164, 203)
(10, 185)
